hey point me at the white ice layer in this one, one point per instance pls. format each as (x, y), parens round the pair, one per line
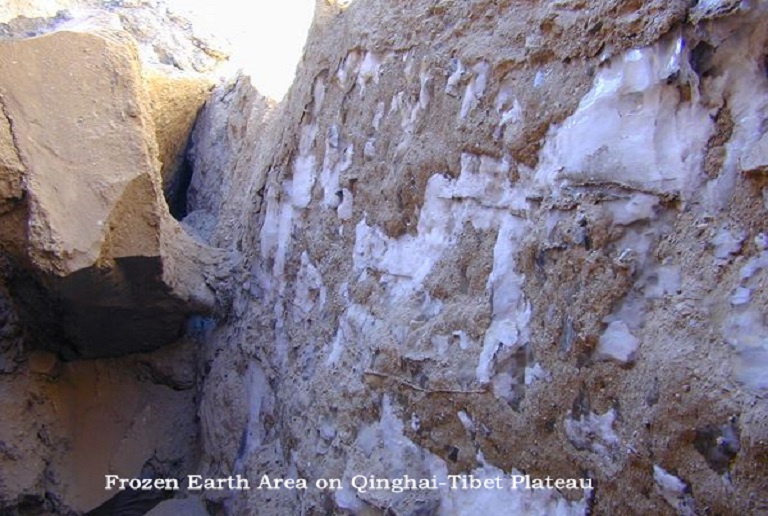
(300, 186)
(632, 127)
(674, 491)
(408, 62)
(741, 296)
(475, 88)
(745, 328)
(530, 502)
(508, 107)
(743, 87)
(353, 324)
(336, 161)
(638, 207)
(344, 211)
(441, 344)
(536, 372)
(303, 179)
(761, 241)
(452, 84)
(310, 291)
(415, 422)
(747, 334)
(402, 456)
(593, 431)
(260, 402)
(511, 312)
(369, 70)
(369, 149)
(727, 244)
(463, 340)
(277, 225)
(482, 195)
(350, 67)
(424, 80)
(387, 434)
(755, 159)
(377, 116)
(466, 422)
(661, 281)
(410, 108)
(275, 234)
(617, 343)
(753, 266)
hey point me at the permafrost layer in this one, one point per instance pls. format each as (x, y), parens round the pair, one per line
(633, 127)
(455, 276)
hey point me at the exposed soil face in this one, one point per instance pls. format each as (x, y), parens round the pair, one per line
(490, 238)
(92, 263)
(432, 199)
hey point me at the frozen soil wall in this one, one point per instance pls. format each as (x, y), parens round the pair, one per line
(484, 236)
(478, 237)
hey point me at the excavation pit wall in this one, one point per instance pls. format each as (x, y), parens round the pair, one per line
(494, 239)
(499, 238)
